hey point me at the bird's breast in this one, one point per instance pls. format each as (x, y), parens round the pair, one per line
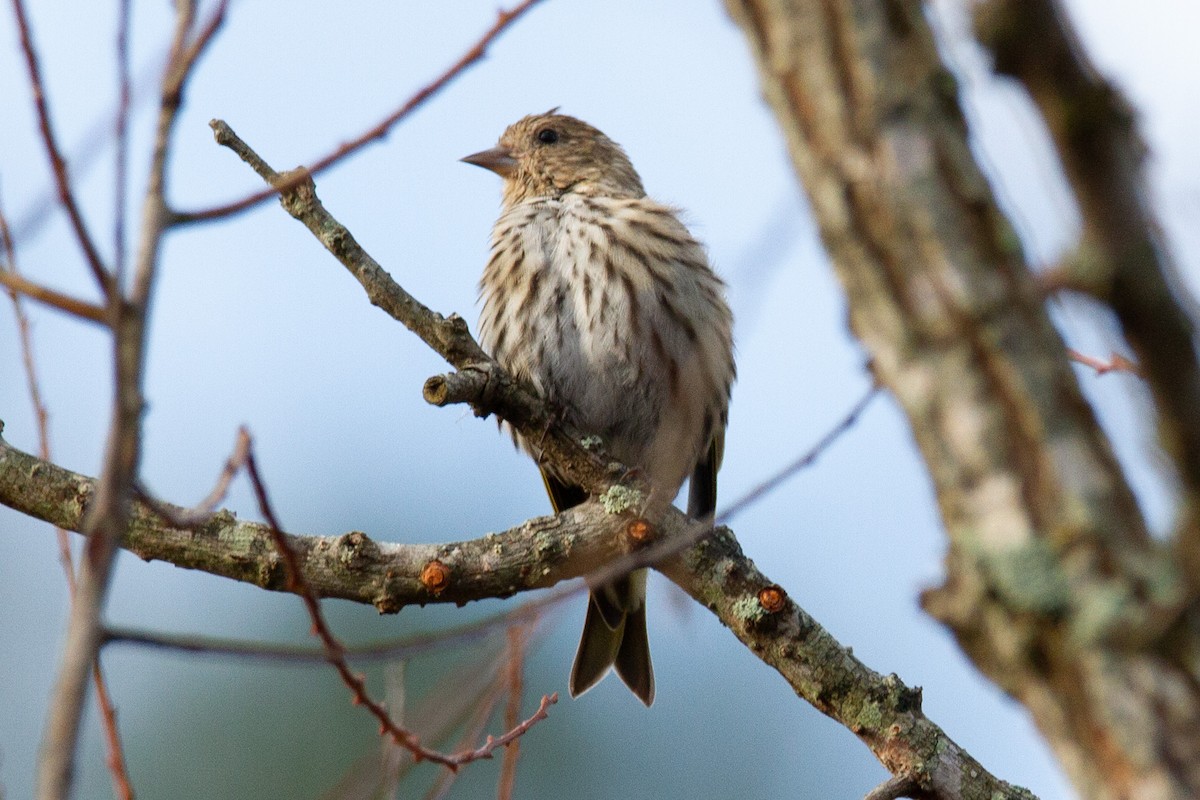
(596, 303)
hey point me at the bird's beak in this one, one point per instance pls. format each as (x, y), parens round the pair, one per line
(499, 160)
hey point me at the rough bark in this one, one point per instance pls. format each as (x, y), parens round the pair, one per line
(880, 709)
(1053, 586)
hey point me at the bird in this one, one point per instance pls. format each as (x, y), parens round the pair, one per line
(602, 299)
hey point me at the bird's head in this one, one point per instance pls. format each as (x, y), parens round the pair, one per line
(549, 155)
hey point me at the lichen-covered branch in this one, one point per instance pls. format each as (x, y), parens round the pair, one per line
(880, 710)
(1128, 265)
(538, 553)
(484, 384)
(884, 713)
(498, 394)
(1053, 586)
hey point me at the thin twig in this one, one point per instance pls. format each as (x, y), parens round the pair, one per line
(86, 153)
(58, 165)
(115, 751)
(512, 711)
(109, 511)
(1116, 363)
(336, 652)
(410, 646)
(202, 512)
(388, 651)
(202, 39)
(25, 334)
(480, 709)
(895, 787)
(476, 52)
(108, 713)
(17, 284)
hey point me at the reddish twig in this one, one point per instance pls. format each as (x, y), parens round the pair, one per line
(201, 512)
(486, 749)
(25, 334)
(1116, 363)
(17, 284)
(415, 645)
(108, 713)
(62, 180)
(85, 154)
(484, 706)
(336, 653)
(476, 52)
(115, 758)
(512, 710)
(202, 39)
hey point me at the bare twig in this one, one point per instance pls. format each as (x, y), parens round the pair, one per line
(1116, 363)
(516, 402)
(204, 37)
(896, 787)
(25, 334)
(202, 512)
(109, 512)
(512, 710)
(504, 20)
(108, 713)
(1130, 265)
(88, 149)
(390, 650)
(336, 654)
(115, 758)
(477, 712)
(58, 165)
(17, 284)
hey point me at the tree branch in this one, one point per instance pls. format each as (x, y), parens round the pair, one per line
(1129, 265)
(498, 392)
(18, 284)
(539, 553)
(943, 767)
(1054, 587)
(58, 164)
(109, 511)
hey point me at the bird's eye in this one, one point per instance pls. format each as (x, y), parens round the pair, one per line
(547, 136)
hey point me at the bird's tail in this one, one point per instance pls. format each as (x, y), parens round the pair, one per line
(614, 631)
(614, 635)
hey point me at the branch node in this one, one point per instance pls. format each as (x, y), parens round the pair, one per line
(640, 531)
(772, 598)
(435, 577)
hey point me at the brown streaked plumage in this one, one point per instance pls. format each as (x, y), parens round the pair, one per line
(602, 299)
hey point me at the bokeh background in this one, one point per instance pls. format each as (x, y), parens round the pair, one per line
(254, 323)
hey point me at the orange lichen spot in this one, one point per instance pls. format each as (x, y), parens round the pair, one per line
(435, 576)
(772, 599)
(639, 530)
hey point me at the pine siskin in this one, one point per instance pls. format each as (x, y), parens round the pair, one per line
(601, 299)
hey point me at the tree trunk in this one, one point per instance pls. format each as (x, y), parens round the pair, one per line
(1053, 586)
